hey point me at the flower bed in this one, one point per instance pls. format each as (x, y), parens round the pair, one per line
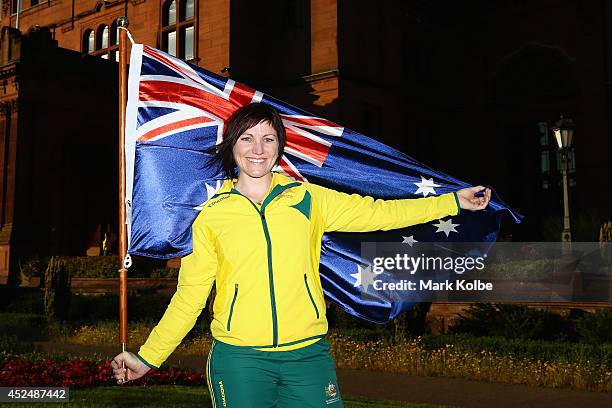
(20, 372)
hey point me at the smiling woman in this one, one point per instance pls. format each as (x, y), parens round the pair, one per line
(254, 132)
(259, 241)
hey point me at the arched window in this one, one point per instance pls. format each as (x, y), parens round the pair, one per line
(104, 42)
(89, 38)
(170, 13)
(105, 37)
(102, 37)
(178, 32)
(114, 33)
(187, 9)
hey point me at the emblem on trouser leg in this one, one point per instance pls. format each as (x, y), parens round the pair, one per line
(331, 392)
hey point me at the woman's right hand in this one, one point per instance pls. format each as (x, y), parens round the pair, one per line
(134, 368)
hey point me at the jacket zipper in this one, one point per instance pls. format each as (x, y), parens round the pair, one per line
(229, 319)
(273, 194)
(310, 296)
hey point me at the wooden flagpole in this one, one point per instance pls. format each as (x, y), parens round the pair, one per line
(122, 22)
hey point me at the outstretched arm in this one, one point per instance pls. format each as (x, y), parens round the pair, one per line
(355, 213)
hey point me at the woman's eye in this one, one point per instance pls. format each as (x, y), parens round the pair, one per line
(245, 139)
(270, 140)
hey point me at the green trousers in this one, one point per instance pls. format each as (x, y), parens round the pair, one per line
(242, 377)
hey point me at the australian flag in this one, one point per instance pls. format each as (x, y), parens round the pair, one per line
(176, 112)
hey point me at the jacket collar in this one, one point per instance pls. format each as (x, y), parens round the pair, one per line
(279, 184)
(277, 180)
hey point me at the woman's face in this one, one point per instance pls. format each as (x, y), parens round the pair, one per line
(256, 150)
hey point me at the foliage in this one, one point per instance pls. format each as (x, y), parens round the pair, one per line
(92, 266)
(24, 300)
(414, 358)
(33, 267)
(24, 326)
(100, 267)
(596, 327)
(584, 227)
(11, 344)
(513, 321)
(19, 372)
(57, 290)
(165, 273)
(605, 231)
(146, 307)
(105, 333)
(551, 351)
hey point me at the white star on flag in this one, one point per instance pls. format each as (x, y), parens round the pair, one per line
(210, 191)
(363, 277)
(446, 226)
(426, 186)
(409, 240)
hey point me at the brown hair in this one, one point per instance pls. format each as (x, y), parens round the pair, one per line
(241, 120)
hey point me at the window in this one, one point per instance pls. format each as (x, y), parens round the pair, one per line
(89, 38)
(103, 42)
(178, 28)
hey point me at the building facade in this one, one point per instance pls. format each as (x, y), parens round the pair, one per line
(469, 87)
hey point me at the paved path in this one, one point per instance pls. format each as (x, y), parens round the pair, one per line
(400, 387)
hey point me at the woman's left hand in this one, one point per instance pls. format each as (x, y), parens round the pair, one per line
(469, 201)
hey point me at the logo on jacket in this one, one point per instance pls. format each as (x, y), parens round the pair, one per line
(331, 391)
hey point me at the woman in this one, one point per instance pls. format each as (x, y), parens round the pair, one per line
(259, 239)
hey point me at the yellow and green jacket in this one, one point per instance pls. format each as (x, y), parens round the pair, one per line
(265, 262)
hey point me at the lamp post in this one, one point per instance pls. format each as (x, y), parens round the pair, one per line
(564, 133)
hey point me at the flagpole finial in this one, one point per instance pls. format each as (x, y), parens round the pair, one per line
(123, 22)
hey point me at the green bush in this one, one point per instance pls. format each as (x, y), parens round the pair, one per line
(25, 326)
(363, 335)
(596, 327)
(11, 344)
(553, 351)
(57, 290)
(23, 300)
(101, 267)
(32, 267)
(513, 321)
(92, 266)
(141, 308)
(164, 273)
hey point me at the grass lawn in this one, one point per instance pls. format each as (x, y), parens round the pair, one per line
(177, 396)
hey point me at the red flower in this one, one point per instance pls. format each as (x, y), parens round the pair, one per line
(78, 373)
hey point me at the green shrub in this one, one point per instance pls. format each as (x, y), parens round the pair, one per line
(513, 321)
(141, 308)
(23, 300)
(596, 327)
(25, 326)
(33, 267)
(553, 351)
(92, 266)
(11, 344)
(164, 273)
(101, 267)
(57, 290)
(361, 334)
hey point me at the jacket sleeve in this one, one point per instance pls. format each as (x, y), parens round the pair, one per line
(195, 281)
(355, 213)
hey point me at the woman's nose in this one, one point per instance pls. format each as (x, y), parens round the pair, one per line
(258, 147)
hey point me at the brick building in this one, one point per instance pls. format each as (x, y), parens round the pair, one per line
(470, 87)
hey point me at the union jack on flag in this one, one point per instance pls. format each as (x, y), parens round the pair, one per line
(176, 112)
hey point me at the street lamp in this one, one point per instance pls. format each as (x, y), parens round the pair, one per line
(564, 133)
